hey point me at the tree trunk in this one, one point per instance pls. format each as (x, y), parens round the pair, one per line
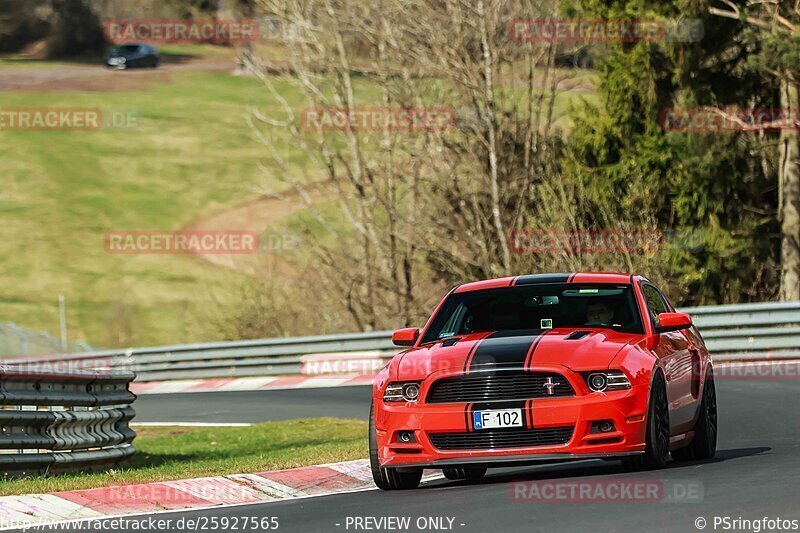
(789, 179)
(244, 57)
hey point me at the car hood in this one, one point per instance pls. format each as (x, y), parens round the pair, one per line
(576, 348)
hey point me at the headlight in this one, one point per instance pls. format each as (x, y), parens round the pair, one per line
(401, 392)
(597, 382)
(607, 380)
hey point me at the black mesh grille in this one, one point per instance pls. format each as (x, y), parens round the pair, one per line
(493, 439)
(498, 386)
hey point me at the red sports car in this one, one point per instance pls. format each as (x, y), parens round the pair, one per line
(545, 367)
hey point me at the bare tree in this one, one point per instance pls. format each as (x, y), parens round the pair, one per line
(424, 208)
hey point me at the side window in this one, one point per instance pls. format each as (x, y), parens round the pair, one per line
(453, 325)
(655, 304)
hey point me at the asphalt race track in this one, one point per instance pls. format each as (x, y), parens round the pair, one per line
(756, 473)
(254, 406)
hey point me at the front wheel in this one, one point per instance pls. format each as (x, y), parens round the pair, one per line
(389, 478)
(704, 443)
(656, 452)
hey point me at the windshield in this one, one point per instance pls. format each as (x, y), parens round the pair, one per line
(127, 49)
(537, 307)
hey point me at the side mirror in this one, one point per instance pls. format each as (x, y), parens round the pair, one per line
(405, 337)
(673, 322)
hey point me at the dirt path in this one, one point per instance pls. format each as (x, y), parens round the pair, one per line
(261, 216)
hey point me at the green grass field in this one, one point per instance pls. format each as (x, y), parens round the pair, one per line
(167, 453)
(188, 154)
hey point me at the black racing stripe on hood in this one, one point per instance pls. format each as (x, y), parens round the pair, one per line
(471, 353)
(533, 279)
(532, 351)
(503, 349)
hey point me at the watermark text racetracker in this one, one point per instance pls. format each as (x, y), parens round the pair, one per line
(729, 119)
(554, 30)
(361, 363)
(65, 118)
(607, 491)
(767, 370)
(181, 242)
(556, 241)
(35, 367)
(182, 31)
(378, 119)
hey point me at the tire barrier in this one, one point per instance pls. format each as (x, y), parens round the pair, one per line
(52, 422)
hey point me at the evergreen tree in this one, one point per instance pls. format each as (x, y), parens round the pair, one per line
(772, 31)
(708, 192)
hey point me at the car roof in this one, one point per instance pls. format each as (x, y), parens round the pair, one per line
(148, 45)
(534, 279)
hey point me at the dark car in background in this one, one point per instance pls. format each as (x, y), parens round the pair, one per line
(133, 55)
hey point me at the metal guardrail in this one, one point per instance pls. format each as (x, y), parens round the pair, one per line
(749, 332)
(731, 332)
(56, 422)
(266, 357)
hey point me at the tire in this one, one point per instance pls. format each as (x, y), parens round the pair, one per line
(389, 478)
(704, 443)
(656, 454)
(471, 474)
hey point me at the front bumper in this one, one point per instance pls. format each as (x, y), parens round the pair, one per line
(116, 62)
(626, 409)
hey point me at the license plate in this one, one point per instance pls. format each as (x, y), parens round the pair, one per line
(497, 418)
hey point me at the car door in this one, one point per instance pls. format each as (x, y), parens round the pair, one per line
(699, 358)
(139, 56)
(673, 351)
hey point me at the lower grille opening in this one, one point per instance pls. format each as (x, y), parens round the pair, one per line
(496, 439)
(610, 440)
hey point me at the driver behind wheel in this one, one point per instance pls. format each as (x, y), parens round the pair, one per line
(599, 313)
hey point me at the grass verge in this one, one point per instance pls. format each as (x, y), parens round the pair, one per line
(168, 453)
(189, 154)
